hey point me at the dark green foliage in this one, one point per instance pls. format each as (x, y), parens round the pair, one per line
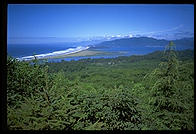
(66, 66)
(114, 109)
(102, 94)
(25, 79)
(168, 96)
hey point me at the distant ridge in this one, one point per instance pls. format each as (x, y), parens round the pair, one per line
(184, 43)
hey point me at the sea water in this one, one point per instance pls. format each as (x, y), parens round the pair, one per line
(26, 51)
(22, 50)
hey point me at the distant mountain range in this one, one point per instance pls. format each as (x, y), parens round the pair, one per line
(185, 43)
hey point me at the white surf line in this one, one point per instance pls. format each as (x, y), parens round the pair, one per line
(55, 53)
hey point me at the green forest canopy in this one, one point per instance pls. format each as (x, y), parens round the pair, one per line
(149, 92)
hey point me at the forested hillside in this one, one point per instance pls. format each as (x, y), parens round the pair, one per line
(134, 42)
(148, 92)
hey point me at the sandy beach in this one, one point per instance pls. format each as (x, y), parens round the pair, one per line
(79, 54)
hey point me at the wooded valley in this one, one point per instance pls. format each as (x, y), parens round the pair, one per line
(146, 92)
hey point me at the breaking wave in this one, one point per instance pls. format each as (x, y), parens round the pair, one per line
(55, 53)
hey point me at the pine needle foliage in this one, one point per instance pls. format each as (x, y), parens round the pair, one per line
(168, 98)
(92, 94)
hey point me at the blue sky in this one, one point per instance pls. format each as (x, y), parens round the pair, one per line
(88, 20)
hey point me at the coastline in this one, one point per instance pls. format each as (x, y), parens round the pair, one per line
(79, 54)
(85, 53)
(82, 53)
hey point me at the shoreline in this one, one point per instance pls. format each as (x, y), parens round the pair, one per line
(83, 53)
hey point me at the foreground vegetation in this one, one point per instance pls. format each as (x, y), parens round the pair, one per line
(150, 92)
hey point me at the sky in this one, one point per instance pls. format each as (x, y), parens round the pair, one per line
(53, 22)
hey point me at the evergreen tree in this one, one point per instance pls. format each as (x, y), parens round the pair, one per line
(166, 98)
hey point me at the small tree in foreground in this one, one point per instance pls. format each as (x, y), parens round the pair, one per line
(166, 98)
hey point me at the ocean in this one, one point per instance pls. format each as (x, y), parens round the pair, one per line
(21, 50)
(26, 51)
